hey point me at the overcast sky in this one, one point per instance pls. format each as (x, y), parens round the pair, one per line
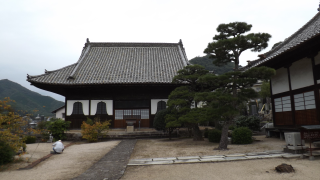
(36, 35)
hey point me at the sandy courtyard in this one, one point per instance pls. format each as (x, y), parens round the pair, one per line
(243, 170)
(72, 162)
(154, 148)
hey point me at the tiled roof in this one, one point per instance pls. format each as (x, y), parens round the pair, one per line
(305, 33)
(120, 63)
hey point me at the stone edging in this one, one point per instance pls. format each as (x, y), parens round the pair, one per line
(215, 158)
(34, 163)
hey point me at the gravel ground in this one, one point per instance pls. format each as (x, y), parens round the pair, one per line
(75, 160)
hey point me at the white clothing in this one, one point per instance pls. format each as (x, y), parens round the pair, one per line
(58, 147)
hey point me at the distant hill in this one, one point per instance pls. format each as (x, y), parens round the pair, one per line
(27, 100)
(207, 63)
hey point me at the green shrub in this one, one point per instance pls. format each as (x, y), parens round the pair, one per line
(206, 132)
(242, 135)
(252, 122)
(214, 135)
(6, 153)
(30, 139)
(159, 120)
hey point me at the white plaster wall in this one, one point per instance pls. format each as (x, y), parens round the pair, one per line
(280, 81)
(154, 103)
(109, 104)
(59, 113)
(85, 106)
(317, 59)
(301, 74)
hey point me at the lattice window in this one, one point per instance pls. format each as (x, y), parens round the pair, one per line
(144, 113)
(101, 108)
(118, 114)
(77, 108)
(304, 101)
(282, 104)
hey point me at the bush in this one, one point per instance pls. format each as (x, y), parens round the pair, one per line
(57, 128)
(159, 120)
(242, 135)
(252, 122)
(93, 132)
(214, 135)
(206, 132)
(30, 139)
(6, 153)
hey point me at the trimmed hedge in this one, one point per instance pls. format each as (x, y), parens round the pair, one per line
(214, 135)
(242, 135)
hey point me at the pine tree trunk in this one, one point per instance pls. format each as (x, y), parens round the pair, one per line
(223, 145)
(197, 134)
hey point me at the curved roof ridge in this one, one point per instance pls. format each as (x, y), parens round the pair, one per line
(48, 72)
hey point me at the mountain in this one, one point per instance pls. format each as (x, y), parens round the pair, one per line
(27, 100)
(207, 63)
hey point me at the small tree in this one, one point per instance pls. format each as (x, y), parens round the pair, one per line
(93, 130)
(58, 127)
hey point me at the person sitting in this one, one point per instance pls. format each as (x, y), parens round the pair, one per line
(58, 147)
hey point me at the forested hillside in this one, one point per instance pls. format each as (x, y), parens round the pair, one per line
(207, 63)
(27, 100)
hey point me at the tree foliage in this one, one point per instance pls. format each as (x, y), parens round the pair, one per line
(182, 99)
(231, 41)
(220, 100)
(11, 125)
(265, 90)
(232, 89)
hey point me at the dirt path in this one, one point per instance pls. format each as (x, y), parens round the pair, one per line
(75, 160)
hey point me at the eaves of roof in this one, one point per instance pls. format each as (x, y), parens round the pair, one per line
(307, 32)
